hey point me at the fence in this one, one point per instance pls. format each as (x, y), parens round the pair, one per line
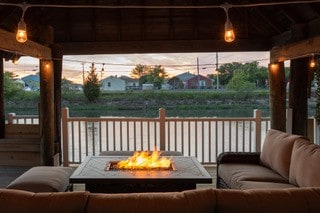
(203, 138)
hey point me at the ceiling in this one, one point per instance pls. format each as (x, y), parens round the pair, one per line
(160, 26)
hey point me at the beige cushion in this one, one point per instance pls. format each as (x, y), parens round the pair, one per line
(293, 200)
(193, 201)
(233, 173)
(15, 201)
(276, 151)
(43, 179)
(305, 164)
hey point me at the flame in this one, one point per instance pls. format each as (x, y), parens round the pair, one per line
(145, 160)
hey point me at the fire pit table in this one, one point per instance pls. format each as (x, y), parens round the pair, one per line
(98, 175)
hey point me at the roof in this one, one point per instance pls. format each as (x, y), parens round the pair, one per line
(112, 78)
(185, 76)
(128, 79)
(34, 78)
(162, 26)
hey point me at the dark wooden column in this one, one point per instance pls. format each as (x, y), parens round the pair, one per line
(46, 112)
(277, 96)
(298, 95)
(2, 110)
(58, 56)
(47, 115)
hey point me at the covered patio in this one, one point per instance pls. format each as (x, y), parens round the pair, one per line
(289, 30)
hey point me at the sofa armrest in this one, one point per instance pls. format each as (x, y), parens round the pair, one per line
(239, 157)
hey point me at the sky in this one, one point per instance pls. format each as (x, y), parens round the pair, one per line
(122, 64)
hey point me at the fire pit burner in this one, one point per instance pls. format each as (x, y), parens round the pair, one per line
(112, 165)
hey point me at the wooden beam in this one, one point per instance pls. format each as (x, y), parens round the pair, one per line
(2, 109)
(296, 50)
(47, 112)
(277, 96)
(298, 95)
(58, 56)
(174, 46)
(29, 48)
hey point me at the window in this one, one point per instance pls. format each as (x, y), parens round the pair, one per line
(109, 84)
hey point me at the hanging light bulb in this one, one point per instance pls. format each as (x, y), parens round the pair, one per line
(313, 62)
(229, 35)
(22, 27)
(22, 32)
(15, 59)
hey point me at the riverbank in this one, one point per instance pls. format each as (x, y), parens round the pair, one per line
(186, 103)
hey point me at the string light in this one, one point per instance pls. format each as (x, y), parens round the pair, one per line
(22, 27)
(229, 35)
(313, 62)
(15, 59)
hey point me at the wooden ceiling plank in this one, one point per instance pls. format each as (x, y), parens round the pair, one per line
(162, 46)
(8, 42)
(296, 50)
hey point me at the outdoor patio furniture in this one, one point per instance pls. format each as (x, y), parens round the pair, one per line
(294, 200)
(43, 179)
(286, 161)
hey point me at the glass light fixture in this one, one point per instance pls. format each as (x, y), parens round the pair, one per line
(15, 59)
(22, 32)
(313, 62)
(229, 35)
(22, 27)
(228, 32)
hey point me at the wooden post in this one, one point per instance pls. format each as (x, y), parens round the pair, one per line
(65, 147)
(46, 113)
(46, 106)
(57, 55)
(2, 110)
(298, 95)
(277, 96)
(162, 121)
(257, 115)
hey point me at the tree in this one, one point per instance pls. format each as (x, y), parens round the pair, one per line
(156, 76)
(225, 72)
(139, 71)
(240, 82)
(66, 85)
(11, 87)
(91, 87)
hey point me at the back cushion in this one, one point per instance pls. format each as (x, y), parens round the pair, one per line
(293, 200)
(305, 164)
(13, 201)
(276, 151)
(193, 201)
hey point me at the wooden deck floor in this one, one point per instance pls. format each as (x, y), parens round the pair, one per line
(9, 173)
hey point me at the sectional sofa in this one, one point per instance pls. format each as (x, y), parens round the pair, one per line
(286, 161)
(293, 200)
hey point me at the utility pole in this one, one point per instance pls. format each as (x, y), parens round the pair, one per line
(82, 73)
(198, 73)
(217, 70)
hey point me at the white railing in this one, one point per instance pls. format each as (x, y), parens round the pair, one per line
(204, 138)
(22, 119)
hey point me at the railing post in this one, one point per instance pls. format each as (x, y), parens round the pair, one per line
(258, 119)
(11, 117)
(162, 121)
(65, 142)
